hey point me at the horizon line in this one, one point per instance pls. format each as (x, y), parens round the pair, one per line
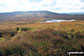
(40, 10)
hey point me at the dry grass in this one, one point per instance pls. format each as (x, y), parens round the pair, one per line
(41, 39)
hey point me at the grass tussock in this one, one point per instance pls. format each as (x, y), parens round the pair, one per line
(49, 39)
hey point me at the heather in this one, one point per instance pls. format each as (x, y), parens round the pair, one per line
(41, 39)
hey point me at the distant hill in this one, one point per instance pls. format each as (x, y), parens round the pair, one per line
(77, 13)
(35, 16)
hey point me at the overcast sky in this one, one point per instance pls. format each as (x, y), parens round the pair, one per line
(60, 6)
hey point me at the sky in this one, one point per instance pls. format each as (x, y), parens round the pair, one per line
(59, 6)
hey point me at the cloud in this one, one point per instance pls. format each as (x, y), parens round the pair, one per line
(69, 6)
(60, 6)
(34, 0)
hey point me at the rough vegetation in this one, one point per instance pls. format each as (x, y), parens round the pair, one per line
(41, 39)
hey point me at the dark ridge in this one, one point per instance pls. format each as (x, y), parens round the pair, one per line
(35, 15)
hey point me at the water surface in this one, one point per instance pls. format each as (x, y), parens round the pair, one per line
(62, 20)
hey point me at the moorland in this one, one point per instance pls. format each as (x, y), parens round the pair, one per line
(41, 39)
(23, 35)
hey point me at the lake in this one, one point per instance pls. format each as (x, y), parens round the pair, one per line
(62, 20)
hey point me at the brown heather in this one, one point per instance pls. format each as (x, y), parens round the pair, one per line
(41, 39)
